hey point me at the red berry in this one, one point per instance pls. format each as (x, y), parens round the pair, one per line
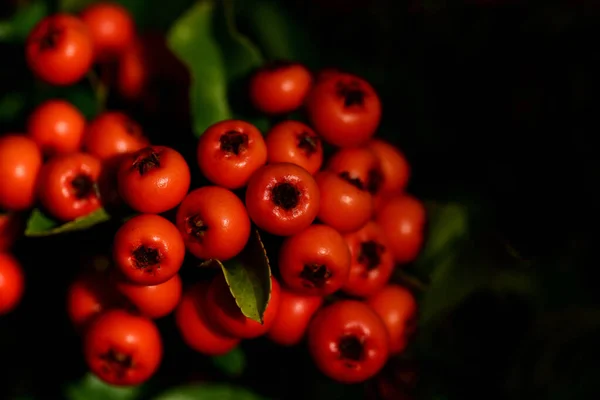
(213, 223)
(154, 179)
(344, 109)
(344, 205)
(67, 186)
(348, 341)
(59, 49)
(225, 315)
(315, 261)
(148, 249)
(195, 328)
(57, 127)
(293, 317)
(282, 199)
(296, 143)
(12, 283)
(153, 301)
(88, 296)
(230, 151)
(111, 27)
(280, 87)
(20, 163)
(372, 260)
(123, 349)
(397, 308)
(402, 219)
(394, 168)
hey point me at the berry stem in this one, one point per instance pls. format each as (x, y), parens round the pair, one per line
(99, 88)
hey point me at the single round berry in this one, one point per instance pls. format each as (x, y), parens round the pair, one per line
(344, 109)
(67, 186)
(229, 152)
(296, 143)
(315, 261)
(154, 179)
(282, 199)
(12, 283)
(348, 341)
(20, 163)
(148, 249)
(111, 28)
(123, 349)
(280, 87)
(57, 126)
(214, 223)
(59, 49)
(153, 301)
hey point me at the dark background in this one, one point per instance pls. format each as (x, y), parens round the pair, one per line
(495, 105)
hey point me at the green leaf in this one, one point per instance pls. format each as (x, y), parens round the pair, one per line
(278, 33)
(448, 225)
(191, 40)
(249, 278)
(23, 20)
(92, 388)
(39, 224)
(81, 96)
(218, 57)
(11, 105)
(208, 392)
(232, 363)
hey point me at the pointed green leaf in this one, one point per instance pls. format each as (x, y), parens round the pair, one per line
(40, 224)
(232, 363)
(208, 392)
(92, 388)
(249, 278)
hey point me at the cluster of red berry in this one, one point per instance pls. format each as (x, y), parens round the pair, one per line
(345, 221)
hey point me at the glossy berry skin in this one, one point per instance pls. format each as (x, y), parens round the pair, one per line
(111, 27)
(225, 316)
(358, 166)
(214, 223)
(296, 143)
(229, 152)
(372, 260)
(20, 163)
(280, 87)
(122, 349)
(348, 341)
(59, 49)
(154, 179)
(293, 317)
(113, 133)
(195, 328)
(402, 219)
(344, 109)
(67, 186)
(343, 206)
(315, 261)
(282, 199)
(11, 228)
(397, 308)
(395, 169)
(153, 301)
(57, 126)
(148, 249)
(89, 295)
(12, 283)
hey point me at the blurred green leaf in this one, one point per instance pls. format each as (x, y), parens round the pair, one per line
(92, 388)
(232, 363)
(39, 224)
(191, 40)
(277, 32)
(249, 278)
(208, 392)
(81, 96)
(207, 41)
(11, 105)
(23, 20)
(448, 226)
